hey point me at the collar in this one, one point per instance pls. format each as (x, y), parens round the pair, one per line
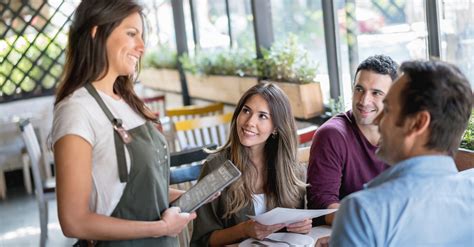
(420, 166)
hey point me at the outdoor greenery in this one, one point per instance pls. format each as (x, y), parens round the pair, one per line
(467, 141)
(236, 62)
(288, 62)
(161, 58)
(18, 53)
(284, 62)
(336, 106)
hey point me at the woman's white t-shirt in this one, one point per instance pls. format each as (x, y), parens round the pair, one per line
(259, 204)
(79, 114)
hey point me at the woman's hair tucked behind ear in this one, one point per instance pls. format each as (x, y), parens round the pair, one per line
(284, 185)
(86, 54)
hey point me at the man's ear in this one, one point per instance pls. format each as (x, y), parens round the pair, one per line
(419, 123)
(93, 31)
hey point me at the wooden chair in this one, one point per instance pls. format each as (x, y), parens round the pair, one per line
(202, 131)
(187, 112)
(44, 188)
(194, 111)
(157, 104)
(185, 168)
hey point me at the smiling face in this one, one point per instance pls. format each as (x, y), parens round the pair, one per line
(125, 46)
(254, 123)
(370, 89)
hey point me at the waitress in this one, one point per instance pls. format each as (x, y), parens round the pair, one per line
(112, 165)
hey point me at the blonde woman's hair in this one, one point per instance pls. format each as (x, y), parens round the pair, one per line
(284, 185)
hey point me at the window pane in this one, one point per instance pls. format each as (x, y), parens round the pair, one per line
(304, 18)
(159, 17)
(457, 35)
(212, 23)
(393, 28)
(242, 24)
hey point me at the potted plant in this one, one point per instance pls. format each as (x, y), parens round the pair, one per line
(220, 75)
(288, 65)
(465, 154)
(160, 70)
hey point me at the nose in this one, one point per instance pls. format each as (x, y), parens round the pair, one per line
(251, 120)
(140, 46)
(365, 98)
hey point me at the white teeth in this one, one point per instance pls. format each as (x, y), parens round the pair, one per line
(249, 132)
(133, 58)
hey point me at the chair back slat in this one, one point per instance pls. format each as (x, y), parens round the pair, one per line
(195, 110)
(206, 130)
(187, 113)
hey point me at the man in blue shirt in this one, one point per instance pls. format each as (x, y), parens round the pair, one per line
(420, 200)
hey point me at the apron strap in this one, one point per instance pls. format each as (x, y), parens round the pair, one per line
(121, 136)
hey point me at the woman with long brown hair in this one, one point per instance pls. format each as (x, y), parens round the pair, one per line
(263, 145)
(112, 165)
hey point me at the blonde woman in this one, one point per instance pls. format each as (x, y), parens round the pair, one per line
(263, 145)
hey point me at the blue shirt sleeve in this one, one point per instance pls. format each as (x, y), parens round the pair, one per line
(352, 226)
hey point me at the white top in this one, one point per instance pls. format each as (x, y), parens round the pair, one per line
(259, 204)
(79, 114)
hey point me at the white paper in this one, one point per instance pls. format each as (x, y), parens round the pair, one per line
(289, 215)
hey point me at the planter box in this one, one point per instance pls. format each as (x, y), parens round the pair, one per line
(161, 79)
(306, 99)
(464, 159)
(226, 89)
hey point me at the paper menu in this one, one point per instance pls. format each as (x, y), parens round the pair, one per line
(289, 215)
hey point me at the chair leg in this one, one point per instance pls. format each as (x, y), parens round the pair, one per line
(3, 186)
(43, 211)
(26, 173)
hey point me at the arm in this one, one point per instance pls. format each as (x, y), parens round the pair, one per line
(73, 159)
(325, 168)
(329, 218)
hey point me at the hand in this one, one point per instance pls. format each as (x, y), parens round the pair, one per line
(213, 197)
(302, 227)
(258, 231)
(176, 221)
(322, 242)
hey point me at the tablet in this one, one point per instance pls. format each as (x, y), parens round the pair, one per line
(205, 188)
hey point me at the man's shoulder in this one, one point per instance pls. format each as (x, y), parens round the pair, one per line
(340, 123)
(337, 129)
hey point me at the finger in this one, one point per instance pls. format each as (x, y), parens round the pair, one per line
(300, 223)
(323, 242)
(192, 216)
(175, 209)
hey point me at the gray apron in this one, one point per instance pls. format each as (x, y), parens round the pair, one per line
(145, 196)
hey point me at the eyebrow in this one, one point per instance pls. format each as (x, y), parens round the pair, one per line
(370, 89)
(378, 90)
(132, 27)
(262, 112)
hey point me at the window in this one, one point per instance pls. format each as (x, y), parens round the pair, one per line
(32, 42)
(394, 28)
(241, 20)
(457, 35)
(303, 18)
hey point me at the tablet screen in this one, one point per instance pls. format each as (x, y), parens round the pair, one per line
(213, 182)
